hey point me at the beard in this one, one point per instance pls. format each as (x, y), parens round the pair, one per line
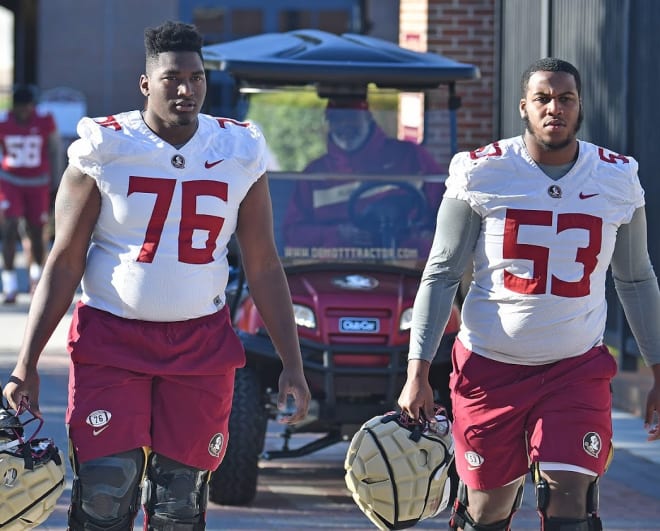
(554, 146)
(185, 120)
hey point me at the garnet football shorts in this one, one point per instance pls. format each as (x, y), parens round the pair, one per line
(507, 416)
(166, 386)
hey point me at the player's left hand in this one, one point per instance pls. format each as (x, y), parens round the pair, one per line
(292, 384)
(652, 415)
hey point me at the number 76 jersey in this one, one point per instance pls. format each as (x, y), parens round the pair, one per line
(540, 262)
(159, 248)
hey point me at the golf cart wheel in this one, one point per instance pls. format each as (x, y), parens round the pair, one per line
(235, 480)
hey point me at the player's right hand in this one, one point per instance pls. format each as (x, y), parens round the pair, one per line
(22, 389)
(416, 398)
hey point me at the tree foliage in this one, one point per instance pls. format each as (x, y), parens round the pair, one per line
(293, 123)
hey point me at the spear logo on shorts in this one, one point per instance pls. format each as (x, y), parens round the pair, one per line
(216, 444)
(591, 443)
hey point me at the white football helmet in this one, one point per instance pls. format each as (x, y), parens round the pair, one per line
(31, 474)
(397, 470)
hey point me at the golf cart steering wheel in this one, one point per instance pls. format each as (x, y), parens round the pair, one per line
(390, 213)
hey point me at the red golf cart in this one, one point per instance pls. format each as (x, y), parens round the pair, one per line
(353, 226)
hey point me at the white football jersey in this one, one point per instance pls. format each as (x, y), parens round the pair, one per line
(159, 248)
(538, 293)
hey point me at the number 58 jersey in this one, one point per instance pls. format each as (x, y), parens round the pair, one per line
(540, 262)
(159, 248)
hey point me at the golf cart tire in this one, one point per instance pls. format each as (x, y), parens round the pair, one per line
(235, 480)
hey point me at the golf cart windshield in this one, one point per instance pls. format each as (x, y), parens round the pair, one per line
(351, 180)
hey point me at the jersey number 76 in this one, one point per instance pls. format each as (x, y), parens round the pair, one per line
(191, 220)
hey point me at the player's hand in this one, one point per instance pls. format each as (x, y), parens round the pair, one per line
(416, 398)
(652, 414)
(22, 389)
(293, 397)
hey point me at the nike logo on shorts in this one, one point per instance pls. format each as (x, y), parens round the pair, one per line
(586, 196)
(209, 165)
(97, 432)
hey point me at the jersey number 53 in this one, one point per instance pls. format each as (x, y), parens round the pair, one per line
(539, 255)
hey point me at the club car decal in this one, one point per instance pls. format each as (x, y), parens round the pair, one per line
(359, 325)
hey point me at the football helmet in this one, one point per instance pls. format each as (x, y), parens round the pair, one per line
(397, 469)
(31, 472)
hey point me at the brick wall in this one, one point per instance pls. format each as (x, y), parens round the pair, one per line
(463, 30)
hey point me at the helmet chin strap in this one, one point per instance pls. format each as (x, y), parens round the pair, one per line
(10, 422)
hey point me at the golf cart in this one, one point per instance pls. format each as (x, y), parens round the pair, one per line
(353, 235)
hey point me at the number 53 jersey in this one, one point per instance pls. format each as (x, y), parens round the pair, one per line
(540, 262)
(159, 248)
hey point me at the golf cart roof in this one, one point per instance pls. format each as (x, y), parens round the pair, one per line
(308, 56)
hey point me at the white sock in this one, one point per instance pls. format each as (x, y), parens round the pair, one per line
(9, 282)
(35, 272)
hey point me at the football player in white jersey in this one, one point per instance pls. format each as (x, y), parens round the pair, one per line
(144, 214)
(543, 216)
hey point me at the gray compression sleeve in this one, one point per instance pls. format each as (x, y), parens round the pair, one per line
(453, 243)
(637, 286)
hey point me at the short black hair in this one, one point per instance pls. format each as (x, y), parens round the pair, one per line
(23, 94)
(550, 64)
(172, 36)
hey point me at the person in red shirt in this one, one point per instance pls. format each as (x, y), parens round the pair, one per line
(318, 211)
(30, 148)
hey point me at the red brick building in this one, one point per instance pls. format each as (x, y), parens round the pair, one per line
(463, 30)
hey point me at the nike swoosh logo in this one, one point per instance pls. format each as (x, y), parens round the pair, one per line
(96, 432)
(208, 164)
(586, 196)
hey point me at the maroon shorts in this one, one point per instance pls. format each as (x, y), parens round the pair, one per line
(507, 416)
(165, 386)
(29, 202)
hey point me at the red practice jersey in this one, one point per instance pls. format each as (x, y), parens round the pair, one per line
(25, 146)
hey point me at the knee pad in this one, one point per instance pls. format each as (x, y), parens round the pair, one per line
(174, 495)
(461, 519)
(592, 522)
(106, 492)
